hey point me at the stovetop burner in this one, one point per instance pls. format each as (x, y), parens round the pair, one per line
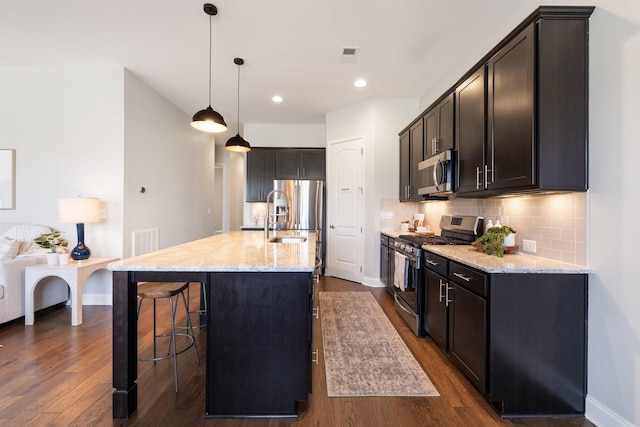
(418, 240)
(456, 230)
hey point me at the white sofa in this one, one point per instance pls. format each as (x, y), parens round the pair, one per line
(17, 251)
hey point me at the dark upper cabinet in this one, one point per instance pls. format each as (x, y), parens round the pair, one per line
(439, 127)
(300, 164)
(536, 110)
(470, 132)
(261, 171)
(417, 155)
(518, 119)
(510, 159)
(405, 163)
(411, 153)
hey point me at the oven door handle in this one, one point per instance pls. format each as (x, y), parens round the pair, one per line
(395, 296)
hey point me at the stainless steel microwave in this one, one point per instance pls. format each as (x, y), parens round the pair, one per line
(435, 175)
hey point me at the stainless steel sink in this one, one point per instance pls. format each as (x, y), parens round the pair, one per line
(288, 239)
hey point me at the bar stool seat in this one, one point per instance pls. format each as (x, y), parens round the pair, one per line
(172, 291)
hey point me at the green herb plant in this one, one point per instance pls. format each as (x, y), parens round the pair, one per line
(51, 241)
(491, 241)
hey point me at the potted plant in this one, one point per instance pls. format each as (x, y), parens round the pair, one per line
(51, 241)
(492, 242)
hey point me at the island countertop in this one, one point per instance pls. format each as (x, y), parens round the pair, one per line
(246, 251)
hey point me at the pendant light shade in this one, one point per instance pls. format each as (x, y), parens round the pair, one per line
(238, 143)
(209, 120)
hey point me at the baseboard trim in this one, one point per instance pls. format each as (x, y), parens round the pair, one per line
(97, 299)
(601, 415)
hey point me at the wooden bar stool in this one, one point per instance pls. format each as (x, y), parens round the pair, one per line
(171, 291)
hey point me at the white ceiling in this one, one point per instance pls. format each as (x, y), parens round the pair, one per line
(290, 47)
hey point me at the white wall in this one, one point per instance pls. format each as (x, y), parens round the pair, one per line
(175, 164)
(378, 122)
(66, 125)
(614, 150)
(299, 136)
(70, 125)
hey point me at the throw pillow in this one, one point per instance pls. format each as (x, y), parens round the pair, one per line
(8, 248)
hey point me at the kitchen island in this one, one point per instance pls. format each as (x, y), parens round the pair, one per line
(259, 327)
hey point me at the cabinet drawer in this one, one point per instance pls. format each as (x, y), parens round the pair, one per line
(435, 263)
(469, 278)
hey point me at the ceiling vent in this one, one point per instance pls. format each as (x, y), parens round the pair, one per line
(349, 54)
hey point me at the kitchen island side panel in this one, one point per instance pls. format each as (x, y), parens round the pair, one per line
(538, 344)
(258, 355)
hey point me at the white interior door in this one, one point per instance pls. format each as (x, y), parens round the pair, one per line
(344, 210)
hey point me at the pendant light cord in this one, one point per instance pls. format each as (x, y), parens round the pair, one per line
(210, 60)
(238, 99)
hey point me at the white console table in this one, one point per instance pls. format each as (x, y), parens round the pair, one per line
(75, 274)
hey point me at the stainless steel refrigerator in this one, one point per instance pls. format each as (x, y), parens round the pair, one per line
(305, 203)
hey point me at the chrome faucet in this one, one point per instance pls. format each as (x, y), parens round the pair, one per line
(274, 215)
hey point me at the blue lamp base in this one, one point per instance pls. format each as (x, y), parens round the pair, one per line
(81, 251)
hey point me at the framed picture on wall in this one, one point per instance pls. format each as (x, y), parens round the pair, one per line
(7, 179)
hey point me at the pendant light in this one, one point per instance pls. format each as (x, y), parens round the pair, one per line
(209, 120)
(238, 143)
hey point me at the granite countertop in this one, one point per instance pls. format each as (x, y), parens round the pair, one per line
(233, 251)
(510, 263)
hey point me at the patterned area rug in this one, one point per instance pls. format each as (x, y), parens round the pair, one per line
(363, 353)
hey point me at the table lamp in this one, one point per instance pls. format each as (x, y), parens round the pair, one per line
(79, 210)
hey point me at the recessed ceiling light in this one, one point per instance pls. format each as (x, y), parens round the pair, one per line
(360, 83)
(277, 98)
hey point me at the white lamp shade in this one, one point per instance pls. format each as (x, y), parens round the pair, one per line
(79, 209)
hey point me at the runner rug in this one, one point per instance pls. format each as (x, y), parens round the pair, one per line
(363, 353)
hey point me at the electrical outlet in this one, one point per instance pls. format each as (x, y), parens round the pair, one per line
(529, 245)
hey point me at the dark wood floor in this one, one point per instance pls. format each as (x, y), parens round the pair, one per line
(53, 374)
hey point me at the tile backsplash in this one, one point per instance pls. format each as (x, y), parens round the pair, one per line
(557, 222)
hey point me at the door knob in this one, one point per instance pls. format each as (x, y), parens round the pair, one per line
(332, 226)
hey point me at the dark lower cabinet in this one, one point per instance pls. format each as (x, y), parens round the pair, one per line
(387, 262)
(538, 344)
(259, 338)
(520, 339)
(468, 334)
(436, 320)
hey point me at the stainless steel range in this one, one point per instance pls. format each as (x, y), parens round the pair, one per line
(408, 280)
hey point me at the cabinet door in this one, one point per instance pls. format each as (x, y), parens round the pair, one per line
(470, 132)
(435, 319)
(268, 172)
(405, 149)
(446, 129)
(260, 174)
(384, 265)
(430, 132)
(510, 149)
(391, 267)
(312, 164)
(287, 164)
(468, 334)
(417, 155)
(254, 176)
